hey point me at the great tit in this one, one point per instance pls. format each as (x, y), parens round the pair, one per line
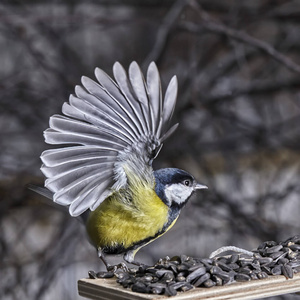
(112, 130)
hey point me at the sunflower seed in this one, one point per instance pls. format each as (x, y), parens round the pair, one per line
(140, 287)
(224, 267)
(246, 262)
(195, 267)
(183, 267)
(242, 277)
(283, 261)
(294, 264)
(161, 273)
(277, 270)
(187, 287)
(233, 266)
(261, 275)
(274, 249)
(287, 271)
(173, 268)
(266, 269)
(147, 278)
(201, 279)
(217, 280)
(105, 274)
(92, 274)
(209, 283)
(180, 278)
(182, 273)
(178, 285)
(157, 290)
(170, 291)
(265, 260)
(253, 276)
(244, 270)
(198, 272)
(275, 255)
(157, 285)
(233, 258)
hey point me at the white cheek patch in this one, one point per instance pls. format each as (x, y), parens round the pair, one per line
(178, 193)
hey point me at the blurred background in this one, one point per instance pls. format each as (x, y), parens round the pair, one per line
(238, 67)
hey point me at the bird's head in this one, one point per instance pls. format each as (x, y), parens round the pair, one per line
(175, 186)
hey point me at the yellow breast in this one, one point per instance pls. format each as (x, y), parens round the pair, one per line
(117, 222)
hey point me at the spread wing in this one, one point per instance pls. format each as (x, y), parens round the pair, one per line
(111, 128)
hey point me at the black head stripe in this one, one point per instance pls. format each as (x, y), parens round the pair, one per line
(167, 176)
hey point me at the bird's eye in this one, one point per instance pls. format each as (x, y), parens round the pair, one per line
(187, 182)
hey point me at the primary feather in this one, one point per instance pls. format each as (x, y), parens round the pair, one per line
(111, 128)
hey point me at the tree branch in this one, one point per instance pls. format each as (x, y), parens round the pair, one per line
(240, 36)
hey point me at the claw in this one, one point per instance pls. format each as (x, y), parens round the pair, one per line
(115, 268)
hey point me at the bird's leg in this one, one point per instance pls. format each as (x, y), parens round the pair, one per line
(102, 257)
(129, 257)
(109, 267)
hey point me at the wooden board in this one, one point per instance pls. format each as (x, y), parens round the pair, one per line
(106, 289)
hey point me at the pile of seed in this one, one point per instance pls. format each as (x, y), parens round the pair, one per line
(182, 273)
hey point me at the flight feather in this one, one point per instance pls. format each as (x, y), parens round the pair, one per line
(109, 129)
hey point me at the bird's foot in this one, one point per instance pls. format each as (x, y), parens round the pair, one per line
(114, 268)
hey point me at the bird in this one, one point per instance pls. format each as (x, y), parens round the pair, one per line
(108, 135)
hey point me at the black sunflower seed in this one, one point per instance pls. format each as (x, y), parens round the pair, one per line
(105, 274)
(242, 277)
(209, 283)
(233, 258)
(170, 291)
(217, 280)
(277, 270)
(92, 274)
(140, 287)
(287, 271)
(182, 273)
(265, 260)
(198, 272)
(187, 287)
(274, 249)
(224, 267)
(201, 279)
(261, 275)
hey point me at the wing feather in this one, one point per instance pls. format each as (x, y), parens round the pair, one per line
(95, 113)
(154, 90)
(67, 176)
(67, 194)
(57, 137)
(98, 91)
(112, 129)
(115, 93)
(138, 84)
(87, 197)
(56, 157)
(66, 125)
(97, 117)
(67, 167)
(170, 101)
(127, 90)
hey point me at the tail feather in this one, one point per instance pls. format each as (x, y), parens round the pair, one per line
(41, 190)
(48, 194)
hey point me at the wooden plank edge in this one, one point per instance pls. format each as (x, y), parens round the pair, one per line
(105, 289)
(100, 289)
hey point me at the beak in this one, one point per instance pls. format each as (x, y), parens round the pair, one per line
(199, 186)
